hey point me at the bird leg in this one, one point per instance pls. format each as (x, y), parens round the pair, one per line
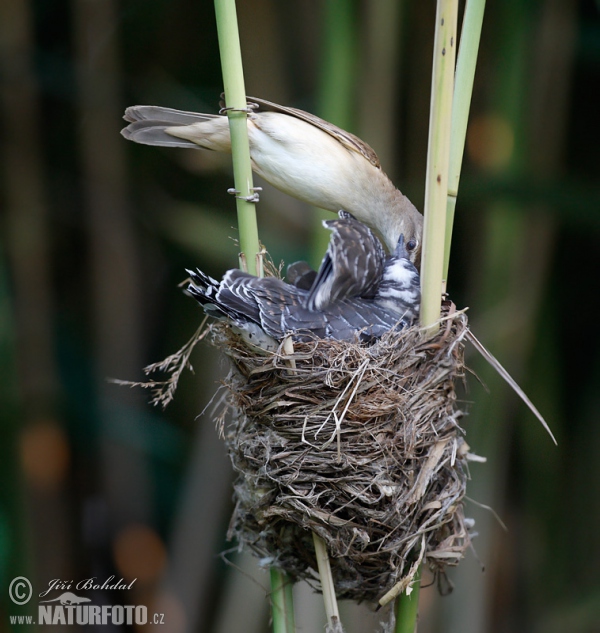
(249, 109)
(251, 198)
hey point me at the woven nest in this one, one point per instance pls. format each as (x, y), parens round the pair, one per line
(360, 444)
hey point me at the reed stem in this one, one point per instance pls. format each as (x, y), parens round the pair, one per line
(434, 230)
(407, 607)
(331, 607)
(235, 100)
(463, 89)
(438, 155)
(282, 602)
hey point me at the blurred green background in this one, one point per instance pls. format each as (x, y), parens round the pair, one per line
(96, 233)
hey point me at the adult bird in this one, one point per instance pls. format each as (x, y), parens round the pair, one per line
(300, 154)
(359, 293)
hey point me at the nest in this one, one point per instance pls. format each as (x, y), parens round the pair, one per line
(360, 444)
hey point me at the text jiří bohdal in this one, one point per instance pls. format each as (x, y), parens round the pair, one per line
(90, 584)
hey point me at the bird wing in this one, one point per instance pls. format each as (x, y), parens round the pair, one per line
(301, 274)
(348, 140)
(359, 316)
(353, 264)
(282, 310)
(264, 310)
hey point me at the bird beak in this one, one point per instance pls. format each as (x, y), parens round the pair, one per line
(401, 249)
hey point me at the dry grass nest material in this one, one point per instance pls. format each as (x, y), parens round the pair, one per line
(360, 444)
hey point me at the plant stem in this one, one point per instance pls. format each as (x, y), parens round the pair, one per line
(282, 602)
(434, 231)
(407, 607)
(438, 152)
(504, 292)
(331, 607)
(461, 103)
(235, 97)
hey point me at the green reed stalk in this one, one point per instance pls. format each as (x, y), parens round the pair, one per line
(470, 36)
(434, 232)
(235, 98)
(438, 155)
(407, 607)
(282, 602)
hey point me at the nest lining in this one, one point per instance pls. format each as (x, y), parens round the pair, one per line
(360, 444)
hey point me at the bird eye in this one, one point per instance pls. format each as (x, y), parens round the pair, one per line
(411, 245)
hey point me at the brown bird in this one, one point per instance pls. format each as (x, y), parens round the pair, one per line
(299, 154)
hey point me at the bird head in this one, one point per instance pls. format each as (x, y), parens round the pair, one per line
(406, 221)
(412, 250)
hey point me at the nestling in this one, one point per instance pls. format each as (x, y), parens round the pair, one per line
(358, 293)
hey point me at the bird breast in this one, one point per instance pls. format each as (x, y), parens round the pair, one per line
(400, 289)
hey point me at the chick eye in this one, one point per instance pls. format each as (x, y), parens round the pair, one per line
(411, 245)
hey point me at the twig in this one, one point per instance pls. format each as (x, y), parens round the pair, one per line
(331, 607)
(163, 391)
(493, 361)
(406, 585)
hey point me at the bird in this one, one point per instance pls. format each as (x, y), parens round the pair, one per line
(301, 274)
(300, 154)
(266, 310)
(352, 266)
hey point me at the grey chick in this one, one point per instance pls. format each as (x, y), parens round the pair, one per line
(361, 306)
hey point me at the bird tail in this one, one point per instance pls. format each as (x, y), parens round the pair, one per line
(231, 299)
(204, 289)
(147, 125)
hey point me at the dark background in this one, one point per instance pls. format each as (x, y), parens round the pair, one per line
(96, 233)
